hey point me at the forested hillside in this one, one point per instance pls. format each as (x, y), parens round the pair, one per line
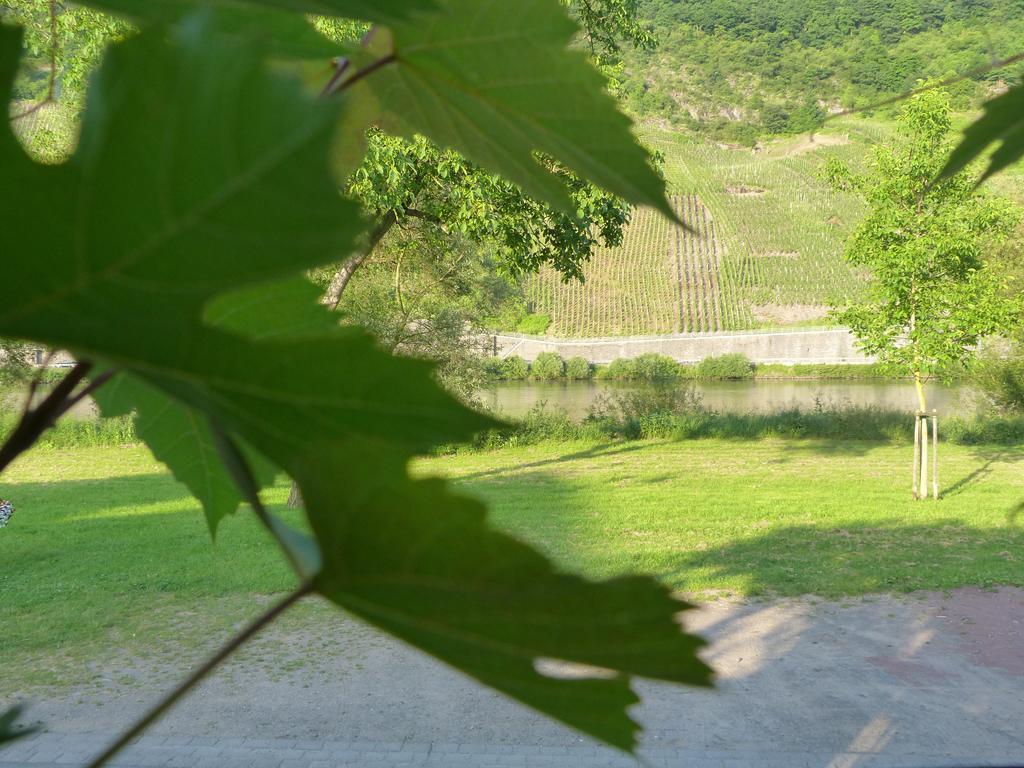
(736, 70)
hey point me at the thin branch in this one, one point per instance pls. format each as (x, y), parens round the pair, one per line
(208, 666)
(36, 421)
(33, 386)
(87, 390)
(340, 68)
(30, 111)
(940, 84)
(366, 71)
(51, 87)
(332, 298)
(418, 214)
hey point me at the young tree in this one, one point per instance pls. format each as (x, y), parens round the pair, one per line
(932, 296)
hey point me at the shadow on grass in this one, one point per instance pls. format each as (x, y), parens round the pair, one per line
(85, 497)
(990, 456)
(857, 559)
(595, 451)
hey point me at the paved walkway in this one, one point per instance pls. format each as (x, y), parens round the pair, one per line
(920, 680)
(204, 752)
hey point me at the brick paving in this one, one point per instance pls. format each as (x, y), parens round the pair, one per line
(55, 750)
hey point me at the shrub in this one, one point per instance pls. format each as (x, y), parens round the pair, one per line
(647, 367)
(538, 425)
(643, 412)
(79, 433)
(984, 430)
(1001, 383)
(493, 368)
(655, 367)
(535, 324)
(577, 368)
(548, 365)
(514, 368)
(618, 370)
(824, 371)
(734, 365)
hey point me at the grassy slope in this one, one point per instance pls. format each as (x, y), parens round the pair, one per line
(779, 249)
(779, 253)
(114, 556)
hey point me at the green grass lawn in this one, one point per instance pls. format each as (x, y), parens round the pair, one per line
(106, 551)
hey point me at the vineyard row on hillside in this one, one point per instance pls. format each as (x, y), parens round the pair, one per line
(764, 248)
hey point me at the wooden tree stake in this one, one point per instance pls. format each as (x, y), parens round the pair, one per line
(916, 453)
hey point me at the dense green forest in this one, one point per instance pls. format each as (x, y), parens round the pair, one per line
(736, 70)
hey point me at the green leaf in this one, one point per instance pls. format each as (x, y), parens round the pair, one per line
(9, 729)
(200, 177)
(181, 438)
(287, 309)
(496, 80)
(422, 564)
(1003, 121)
(161, 219)
(302, 551)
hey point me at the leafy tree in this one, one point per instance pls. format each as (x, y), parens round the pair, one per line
(404, 181)
(427, 296)
(608, 23)
(169, 254)
(63, 41)
(15, 365)
(932, 297)
(719, 57)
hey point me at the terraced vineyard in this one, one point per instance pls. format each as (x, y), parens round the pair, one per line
(766, 251)
(659, 280)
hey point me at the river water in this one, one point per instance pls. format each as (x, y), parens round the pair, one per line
(515, 398)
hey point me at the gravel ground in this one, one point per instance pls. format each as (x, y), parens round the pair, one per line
(920, 679)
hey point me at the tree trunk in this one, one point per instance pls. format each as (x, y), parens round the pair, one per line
(339, 282)
(348, 268)
(332, 297)
(923, 418)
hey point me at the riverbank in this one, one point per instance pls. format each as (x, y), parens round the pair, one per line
(632, 414)
(515, 399)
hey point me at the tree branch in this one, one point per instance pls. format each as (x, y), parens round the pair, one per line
(208, 666)
(418, 214)
(37, 420)
(344, 274)
(51, 87)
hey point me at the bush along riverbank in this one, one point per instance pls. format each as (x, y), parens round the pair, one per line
(656, 412)
(654, 367)
(676, 413)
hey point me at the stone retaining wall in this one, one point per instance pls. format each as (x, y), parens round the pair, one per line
(808, 345)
